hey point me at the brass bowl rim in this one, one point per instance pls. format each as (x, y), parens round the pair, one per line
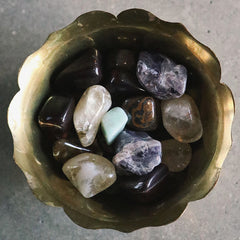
(222, 90)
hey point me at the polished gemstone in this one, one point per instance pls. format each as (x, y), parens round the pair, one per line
(113, 122)
(90, 173)
(122, 58)
(143, 113)
(151, 186)
(89, 111)
(122, 82)
(161, 76)
(176, 155)
(55, 117)
(181, 119)
(81, 73)
(137, 153)
(64, 149)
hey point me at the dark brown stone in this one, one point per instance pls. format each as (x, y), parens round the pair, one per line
(108, 150)
(123, 83)
(64, 149)
(122, 58)
(55, 117)
(80, 74)
(150, 187)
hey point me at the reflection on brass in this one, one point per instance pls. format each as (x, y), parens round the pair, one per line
(133, 28)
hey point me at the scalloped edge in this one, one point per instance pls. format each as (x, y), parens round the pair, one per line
(110, 21)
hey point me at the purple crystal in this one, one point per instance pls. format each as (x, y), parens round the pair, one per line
(161, 76)
(137, 153)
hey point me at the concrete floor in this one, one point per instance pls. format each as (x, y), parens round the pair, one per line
(24, 27)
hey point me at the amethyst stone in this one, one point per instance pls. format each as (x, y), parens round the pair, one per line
(137, 153)
(161, 76)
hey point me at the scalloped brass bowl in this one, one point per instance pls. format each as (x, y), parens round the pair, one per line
(136, 29)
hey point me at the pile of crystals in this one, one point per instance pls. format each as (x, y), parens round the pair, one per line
(102, 116)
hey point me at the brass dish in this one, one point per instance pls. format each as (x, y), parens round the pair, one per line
(132, 28)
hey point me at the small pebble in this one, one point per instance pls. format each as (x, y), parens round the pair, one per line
(136, 153)
(181, 119)
(90, 173)
(93, 104)
(113, 122)
(161, 76)
(176, 155)
(80, 74)
(64, 149)
(148, 187)
(55, 117)
(122, 82)
(143, 113)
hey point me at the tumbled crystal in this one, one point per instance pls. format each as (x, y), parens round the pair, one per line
(143, 113)
(137, 153)
(124, 83)
(161, 76)
(80, 74)
(151, 186)
(89, 111)
(55, 117)
(176, 155)
(181, 119)
(113, 122)
(122, 58)
(64, 149)
(90, 173)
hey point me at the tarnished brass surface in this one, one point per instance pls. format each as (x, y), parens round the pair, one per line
(137, 29)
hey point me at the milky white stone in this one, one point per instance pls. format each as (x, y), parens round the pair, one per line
(90, 173)
(94, 103)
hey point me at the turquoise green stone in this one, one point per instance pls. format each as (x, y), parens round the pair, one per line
(113, 123)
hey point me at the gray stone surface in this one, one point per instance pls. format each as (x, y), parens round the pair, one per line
(136, 153)
(24, 27)
(161, 76)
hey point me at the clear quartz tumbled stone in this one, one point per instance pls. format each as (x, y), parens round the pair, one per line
(89, 111)
(181, 119)
(90, 173)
